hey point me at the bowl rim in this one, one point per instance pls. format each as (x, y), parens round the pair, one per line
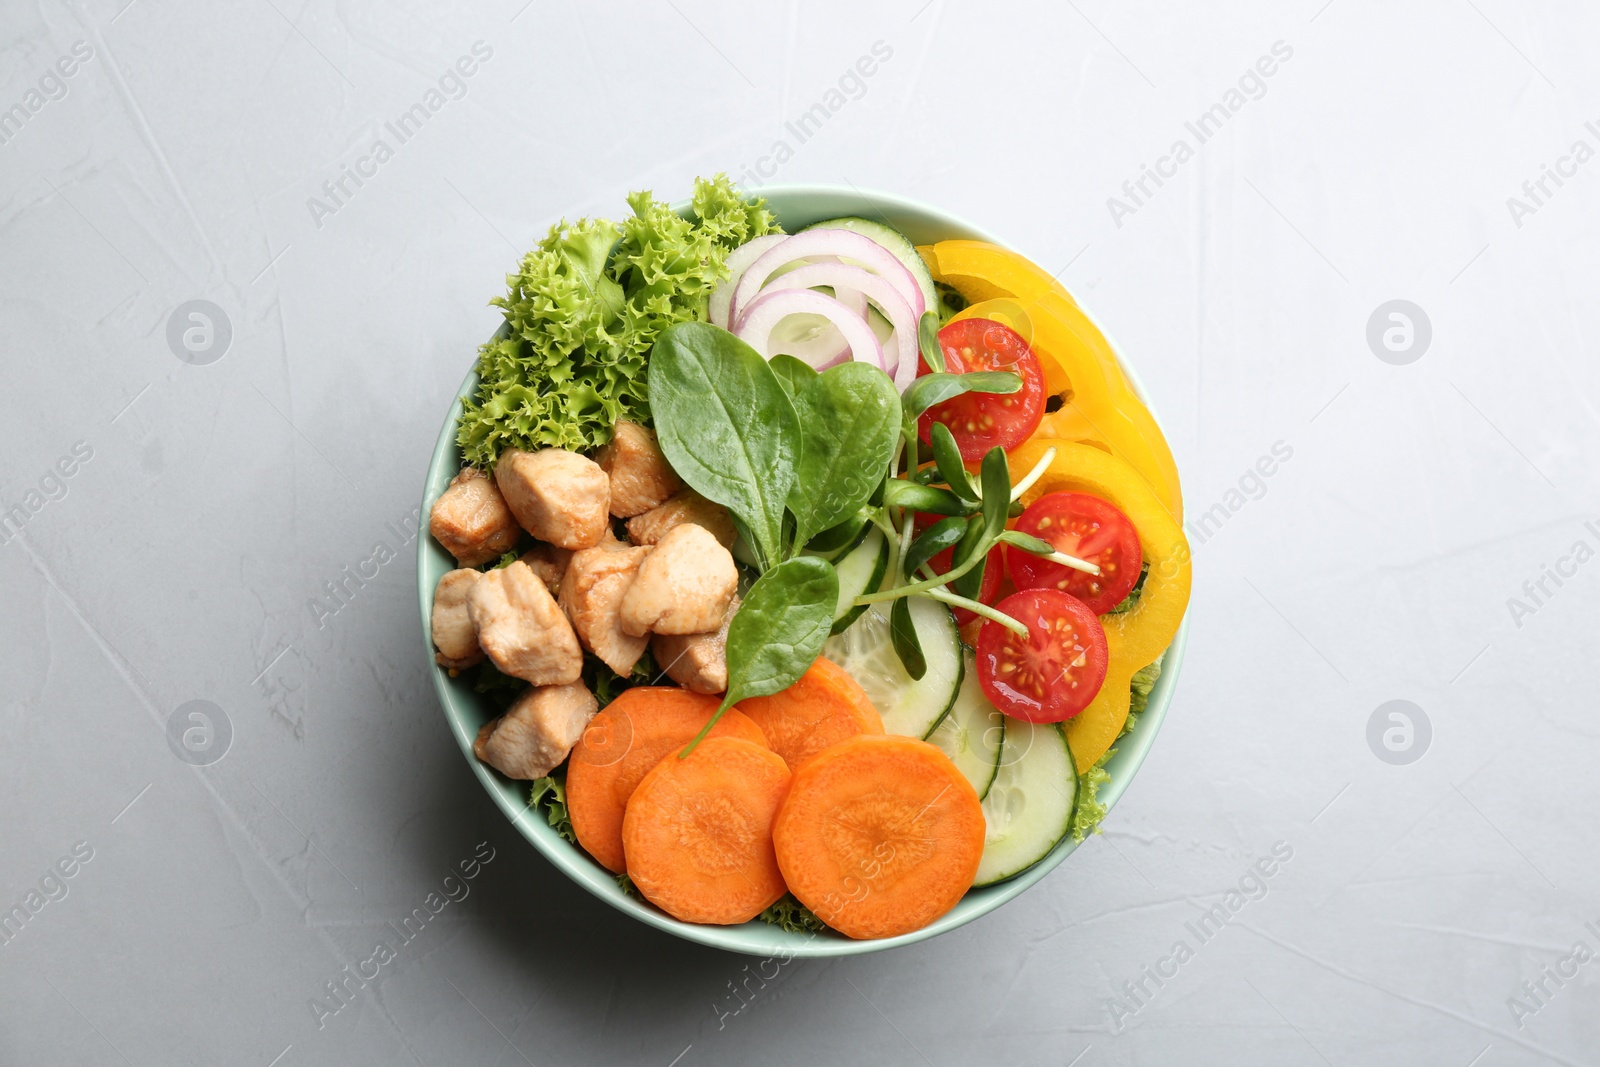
(756, 938)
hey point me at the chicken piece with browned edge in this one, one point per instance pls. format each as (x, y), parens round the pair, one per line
(591, 594)
(558, 496)
(686, 506)
(684, 586)
(698, 662)
(640, 477)
(537, 732)
(453, 633)
(471, 519)
(522, 629)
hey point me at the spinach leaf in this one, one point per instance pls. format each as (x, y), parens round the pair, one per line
(936, 388)
(849, 425)
(946, 533)
(928, 341)
(793, 374)
(778, 631)
(947, 454)
(903, 631)
(726, 425)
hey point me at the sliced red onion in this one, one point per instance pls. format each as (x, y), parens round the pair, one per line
(846, 244)
(764, 313)
(738, 262)
(842, 278)
(821, 344)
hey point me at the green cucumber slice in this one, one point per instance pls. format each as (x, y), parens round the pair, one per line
(1029, 806)
(973, 733)
(860, 571)
(911, 707)
(897, 244)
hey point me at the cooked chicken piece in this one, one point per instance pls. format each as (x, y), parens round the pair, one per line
(698, 662)
(471, 519)
(522, 629)
(686, 506)
(591, 595)
(558, 496)
(640, 477)
(453, 633)
(535, 734)
(549, 563)
(684, 586)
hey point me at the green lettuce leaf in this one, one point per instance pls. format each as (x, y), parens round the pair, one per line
(582, 312)
(1086, 817)
(549, 794)
(792, 916)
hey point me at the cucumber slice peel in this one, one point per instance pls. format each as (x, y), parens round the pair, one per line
(865, 649)
(1030, 804)
(860, 570)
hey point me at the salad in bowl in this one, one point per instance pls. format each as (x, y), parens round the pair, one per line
(800, 568)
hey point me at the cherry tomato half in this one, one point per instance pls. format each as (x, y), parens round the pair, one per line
(980, 421)
(1055, 671)
(993, 569)
(1091, 529)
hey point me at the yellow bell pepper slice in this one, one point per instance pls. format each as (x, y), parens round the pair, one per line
(982, 271)
(1134, 638)
(1099, 406)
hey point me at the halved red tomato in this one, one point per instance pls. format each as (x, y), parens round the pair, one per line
(980, 421)
(1054, 672)
(1091, 529)
(993, 568)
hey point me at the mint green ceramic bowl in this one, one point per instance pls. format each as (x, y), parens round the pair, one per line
(795, 206)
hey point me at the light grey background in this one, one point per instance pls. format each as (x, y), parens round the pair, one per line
(186, 556)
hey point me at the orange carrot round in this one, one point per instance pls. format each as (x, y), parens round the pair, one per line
(823, 707)
(620, 746)
(698, 832)
(880, 835)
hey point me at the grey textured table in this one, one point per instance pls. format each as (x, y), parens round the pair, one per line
(220, 509)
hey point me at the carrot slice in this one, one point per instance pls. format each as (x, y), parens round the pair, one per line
(698, 832)
(622, 743)
(880, 835)
(824, 707)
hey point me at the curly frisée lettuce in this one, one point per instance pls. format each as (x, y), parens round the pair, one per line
(1086, 817)
(549, 795)
(583, 310)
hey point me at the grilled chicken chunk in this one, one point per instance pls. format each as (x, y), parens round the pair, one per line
(549, 563)
(591, 595)
(640, 476)
(686, 506)
(535, 734)
(522, 629)
(453, 633)
(558, 496)
(698, 662)
(684, 586)
(471, 519)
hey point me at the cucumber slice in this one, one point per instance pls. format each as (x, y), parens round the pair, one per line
(1029, 806)
(860, 571)
(973, 733)
(896, 243)
(911, 707)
